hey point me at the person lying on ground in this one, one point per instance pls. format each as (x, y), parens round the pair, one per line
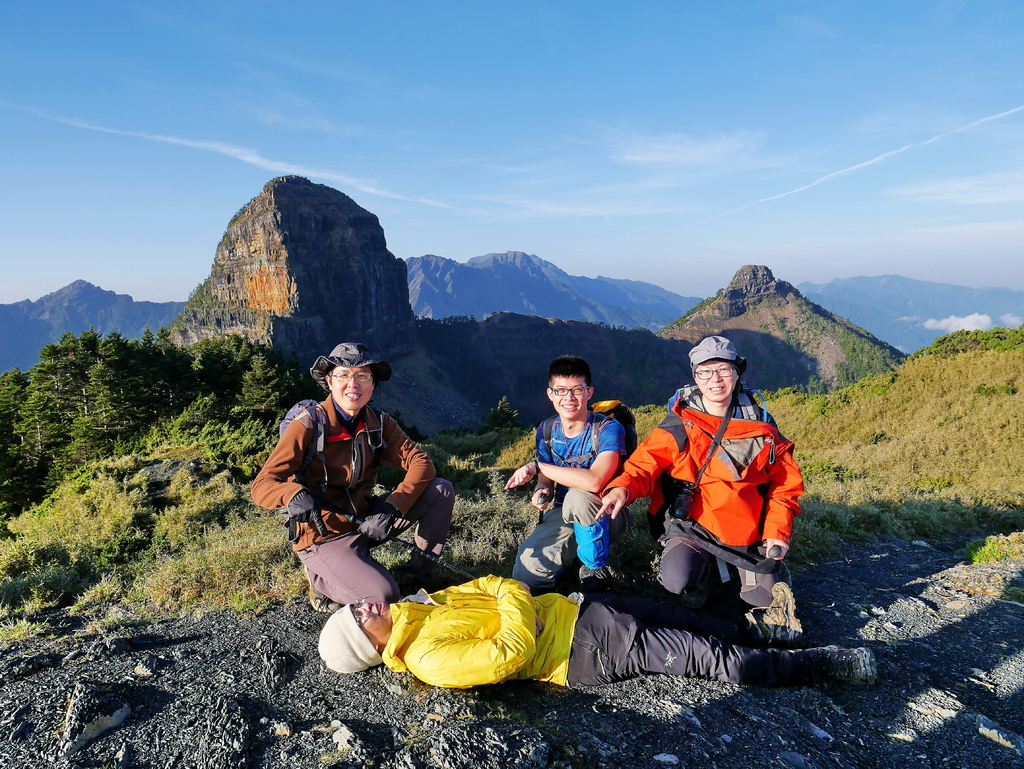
(581, 454)
(333, 516)
(492, 629)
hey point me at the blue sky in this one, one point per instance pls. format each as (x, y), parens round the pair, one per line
(671, 142)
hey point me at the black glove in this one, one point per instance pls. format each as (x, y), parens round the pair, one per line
(380, 519)
(305, 508)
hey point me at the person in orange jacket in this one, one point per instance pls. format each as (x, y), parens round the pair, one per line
(738, 508)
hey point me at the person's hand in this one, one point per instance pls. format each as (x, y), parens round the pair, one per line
(541, 498)
(380, 519)
(522, 475)
(612, 503)
(783, 548)
(305, 508)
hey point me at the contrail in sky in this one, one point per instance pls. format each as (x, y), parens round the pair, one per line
(245, 154)
(865, 164)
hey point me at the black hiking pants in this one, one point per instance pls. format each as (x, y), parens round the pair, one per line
(617, 638)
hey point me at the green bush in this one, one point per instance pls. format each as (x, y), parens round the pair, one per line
(244, 565)
(35, 576)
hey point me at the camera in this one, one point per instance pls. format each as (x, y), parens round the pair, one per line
(680, 508)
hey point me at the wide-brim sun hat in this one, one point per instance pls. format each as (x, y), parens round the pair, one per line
(350, 355)
(716, 348)
(343, 645)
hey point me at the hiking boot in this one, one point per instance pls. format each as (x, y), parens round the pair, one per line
(852, 666)
(693, 598)
(318, 600)
(777, 623)
(595, 580)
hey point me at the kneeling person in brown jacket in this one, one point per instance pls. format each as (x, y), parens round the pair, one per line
(332, 513)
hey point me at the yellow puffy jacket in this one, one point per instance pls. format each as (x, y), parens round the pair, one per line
(483, 632)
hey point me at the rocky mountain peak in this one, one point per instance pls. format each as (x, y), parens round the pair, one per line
(779, 330)
(755, 280)
(302, 267)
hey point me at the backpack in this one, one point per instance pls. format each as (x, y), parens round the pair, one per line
(316, 412)
(610, 409)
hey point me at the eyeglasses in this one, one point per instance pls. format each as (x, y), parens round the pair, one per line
(726, 373)
(359, 376)
(359, 611)
(561, 392)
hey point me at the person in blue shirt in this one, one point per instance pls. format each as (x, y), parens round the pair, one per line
(572, 467)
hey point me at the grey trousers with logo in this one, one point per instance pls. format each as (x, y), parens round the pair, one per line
(617, 638)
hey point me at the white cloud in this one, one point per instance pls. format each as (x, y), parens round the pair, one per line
(679, 149)
(974, 322)
(1011, 321)
(242, 154)
(867, 163)
(1004, 187)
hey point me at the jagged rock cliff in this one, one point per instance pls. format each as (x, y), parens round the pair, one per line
(781, 332)
(302, 267)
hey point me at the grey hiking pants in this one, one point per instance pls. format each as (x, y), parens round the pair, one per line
(551, 547)
(617, 638)
(345, 571)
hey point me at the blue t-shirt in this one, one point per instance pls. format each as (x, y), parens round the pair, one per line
(611, 437)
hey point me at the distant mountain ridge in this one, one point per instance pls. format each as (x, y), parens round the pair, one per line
(777, 329)
(515, 281)
(911, 314)
(27, 326)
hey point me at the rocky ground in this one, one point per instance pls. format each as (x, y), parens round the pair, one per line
(223, 690)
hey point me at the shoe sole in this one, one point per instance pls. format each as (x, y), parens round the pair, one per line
(867, 675)
(782, 612)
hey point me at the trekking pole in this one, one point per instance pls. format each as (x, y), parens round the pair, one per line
(411, 546)
(429, 556)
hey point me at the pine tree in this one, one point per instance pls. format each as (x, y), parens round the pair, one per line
(502, 416)
(261, 390)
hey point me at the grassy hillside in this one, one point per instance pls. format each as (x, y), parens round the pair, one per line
(924, 451)
(930, 449)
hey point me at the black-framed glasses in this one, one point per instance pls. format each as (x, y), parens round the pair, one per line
(728, 372)
(561, 392)
(357, 610)
(359, 376)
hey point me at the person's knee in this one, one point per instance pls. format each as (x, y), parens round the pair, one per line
(445, 489)
(682, 566)
(581, 506)
(673, 579)
(442, 496)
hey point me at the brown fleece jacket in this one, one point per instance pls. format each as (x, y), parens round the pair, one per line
(351, 474)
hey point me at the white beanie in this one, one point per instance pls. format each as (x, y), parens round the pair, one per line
(344, 646)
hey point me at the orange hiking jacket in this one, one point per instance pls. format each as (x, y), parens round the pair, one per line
(753, 475)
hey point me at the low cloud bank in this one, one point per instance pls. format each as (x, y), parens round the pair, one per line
(973, 322)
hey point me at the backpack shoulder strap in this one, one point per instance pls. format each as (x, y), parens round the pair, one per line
(318, 416)
(547, 427)
(376, 437)
(595, 431)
